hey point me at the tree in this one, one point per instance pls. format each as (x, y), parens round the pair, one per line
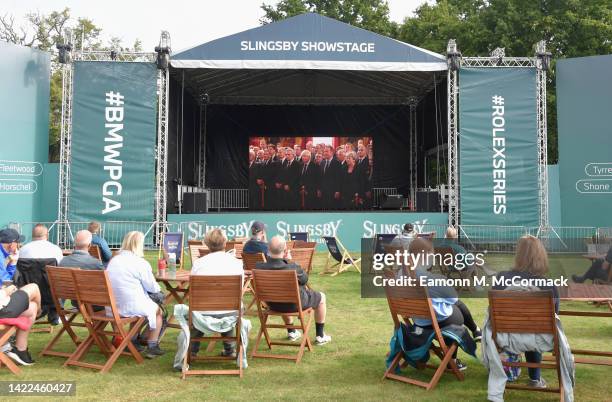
(43, 31)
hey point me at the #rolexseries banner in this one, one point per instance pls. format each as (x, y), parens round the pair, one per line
(498, 156)
(113, 141)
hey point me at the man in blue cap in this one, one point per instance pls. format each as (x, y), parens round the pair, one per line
(9, 243)
(258, 242)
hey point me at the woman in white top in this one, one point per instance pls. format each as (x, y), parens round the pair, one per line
(131, 278)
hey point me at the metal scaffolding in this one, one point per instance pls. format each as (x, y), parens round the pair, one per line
(413, 102)
(498, 59)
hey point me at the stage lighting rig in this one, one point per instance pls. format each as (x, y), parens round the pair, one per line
(499, 53)
(65, 48)
(453, 55)
(163, 51)
(543, 56)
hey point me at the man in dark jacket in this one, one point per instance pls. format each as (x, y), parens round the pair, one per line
(80, 257)
(290, 180)
(330, 176)
(310, 183)
(308, 297)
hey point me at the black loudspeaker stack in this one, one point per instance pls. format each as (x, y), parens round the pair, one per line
(195, 203)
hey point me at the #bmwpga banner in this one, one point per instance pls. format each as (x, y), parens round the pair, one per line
(498, 157)
(113, 141)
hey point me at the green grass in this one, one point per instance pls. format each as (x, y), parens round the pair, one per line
(348, 368)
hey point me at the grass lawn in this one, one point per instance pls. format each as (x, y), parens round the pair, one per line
(348, 368)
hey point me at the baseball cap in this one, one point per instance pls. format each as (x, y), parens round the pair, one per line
(408, 227)
(10, 235)
(257, 227)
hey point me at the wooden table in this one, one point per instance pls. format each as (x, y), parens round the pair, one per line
(589, 293)
(177, 286)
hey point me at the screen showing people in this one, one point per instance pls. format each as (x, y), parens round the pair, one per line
(310, 173)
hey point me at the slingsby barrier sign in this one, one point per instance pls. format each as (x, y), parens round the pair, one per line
(585, 140)
(498, 146)
(113, 141)
(349, 227)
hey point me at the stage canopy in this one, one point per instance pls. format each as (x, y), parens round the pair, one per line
(307, 59)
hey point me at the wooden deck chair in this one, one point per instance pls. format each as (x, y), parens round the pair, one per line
(230, 244)
(340, 254)
(194, 247)
(303, 258)
(248, 263)
(526, 312)
(6, 331)
(280, 287)
(304, 244)
(412, 302)
(93, 289)
(94, 251)
(62, 287)
(215, 293)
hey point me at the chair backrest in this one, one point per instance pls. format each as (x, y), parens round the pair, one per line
(94, 251)
(61, 282)
(202, 251)
(426, 235)
(34, 270)
(301, 236)
(195, 242)
(229, 245)
(304, 244)
(333, 248)
(303, 257)
(275, 286)
(238, 250)
(290, 244)
(93, 288)
(250, 260)
(515, 311)
(215, 293)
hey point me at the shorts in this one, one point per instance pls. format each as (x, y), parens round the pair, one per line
(310, 299)
(19, 302)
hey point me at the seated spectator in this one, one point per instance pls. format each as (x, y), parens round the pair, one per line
(531, 262)
(451, 241)
(444, 299)
(257, 243)
(405, 237)
(24, 302)
(80, 257)
(9, 245)
(308, 297)
(599, 269)
(217, 262)
(97, 240)
(40, 246)
(131, 278)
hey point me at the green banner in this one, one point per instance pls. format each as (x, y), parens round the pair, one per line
(113, 141)
(24, 115)
(584, 105)
(498, 158)
(349, 227)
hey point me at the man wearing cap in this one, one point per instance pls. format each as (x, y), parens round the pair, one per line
(403, 239)
(9, 242)
(258, 242)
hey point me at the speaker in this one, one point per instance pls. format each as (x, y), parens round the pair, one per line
(392, 201)
(195, 203)
(427, 201)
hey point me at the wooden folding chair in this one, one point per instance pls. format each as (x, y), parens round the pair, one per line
(95, 252)
(194, 247)
(6, 331)
(230, 244)
(215, 293)
(340, 254)
(93, 289)
(410, 302)
(304, 244)
(280, 287)
(249, 261)
(527, 313)
(238, 250)
(62, 287)
(303, 257)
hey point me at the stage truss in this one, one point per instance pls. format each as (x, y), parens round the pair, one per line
(540, 62)
(66, 131)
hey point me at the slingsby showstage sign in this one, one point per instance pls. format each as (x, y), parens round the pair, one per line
(498, 146)
(113, 141)
(308, 46)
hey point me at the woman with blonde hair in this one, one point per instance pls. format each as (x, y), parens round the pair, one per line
(131, 278)
(530, 262)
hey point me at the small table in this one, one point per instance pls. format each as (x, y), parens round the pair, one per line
(177, 287)
(589, 293)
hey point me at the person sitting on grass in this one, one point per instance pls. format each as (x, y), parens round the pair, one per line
(97, 240)
(131, 278)
(599, 269)
(24, 302)
(308, 297)
(444, 299)
(217, 262)
(258, 242)
(531, 262)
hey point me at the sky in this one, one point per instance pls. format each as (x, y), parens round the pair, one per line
(190, 22)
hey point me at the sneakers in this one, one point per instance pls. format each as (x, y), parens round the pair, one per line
(537, 383)
(21, 357)
(229, 353)
(477, 335)
(153, 352)
(460, 365)
(294, 336)
(322, 340)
